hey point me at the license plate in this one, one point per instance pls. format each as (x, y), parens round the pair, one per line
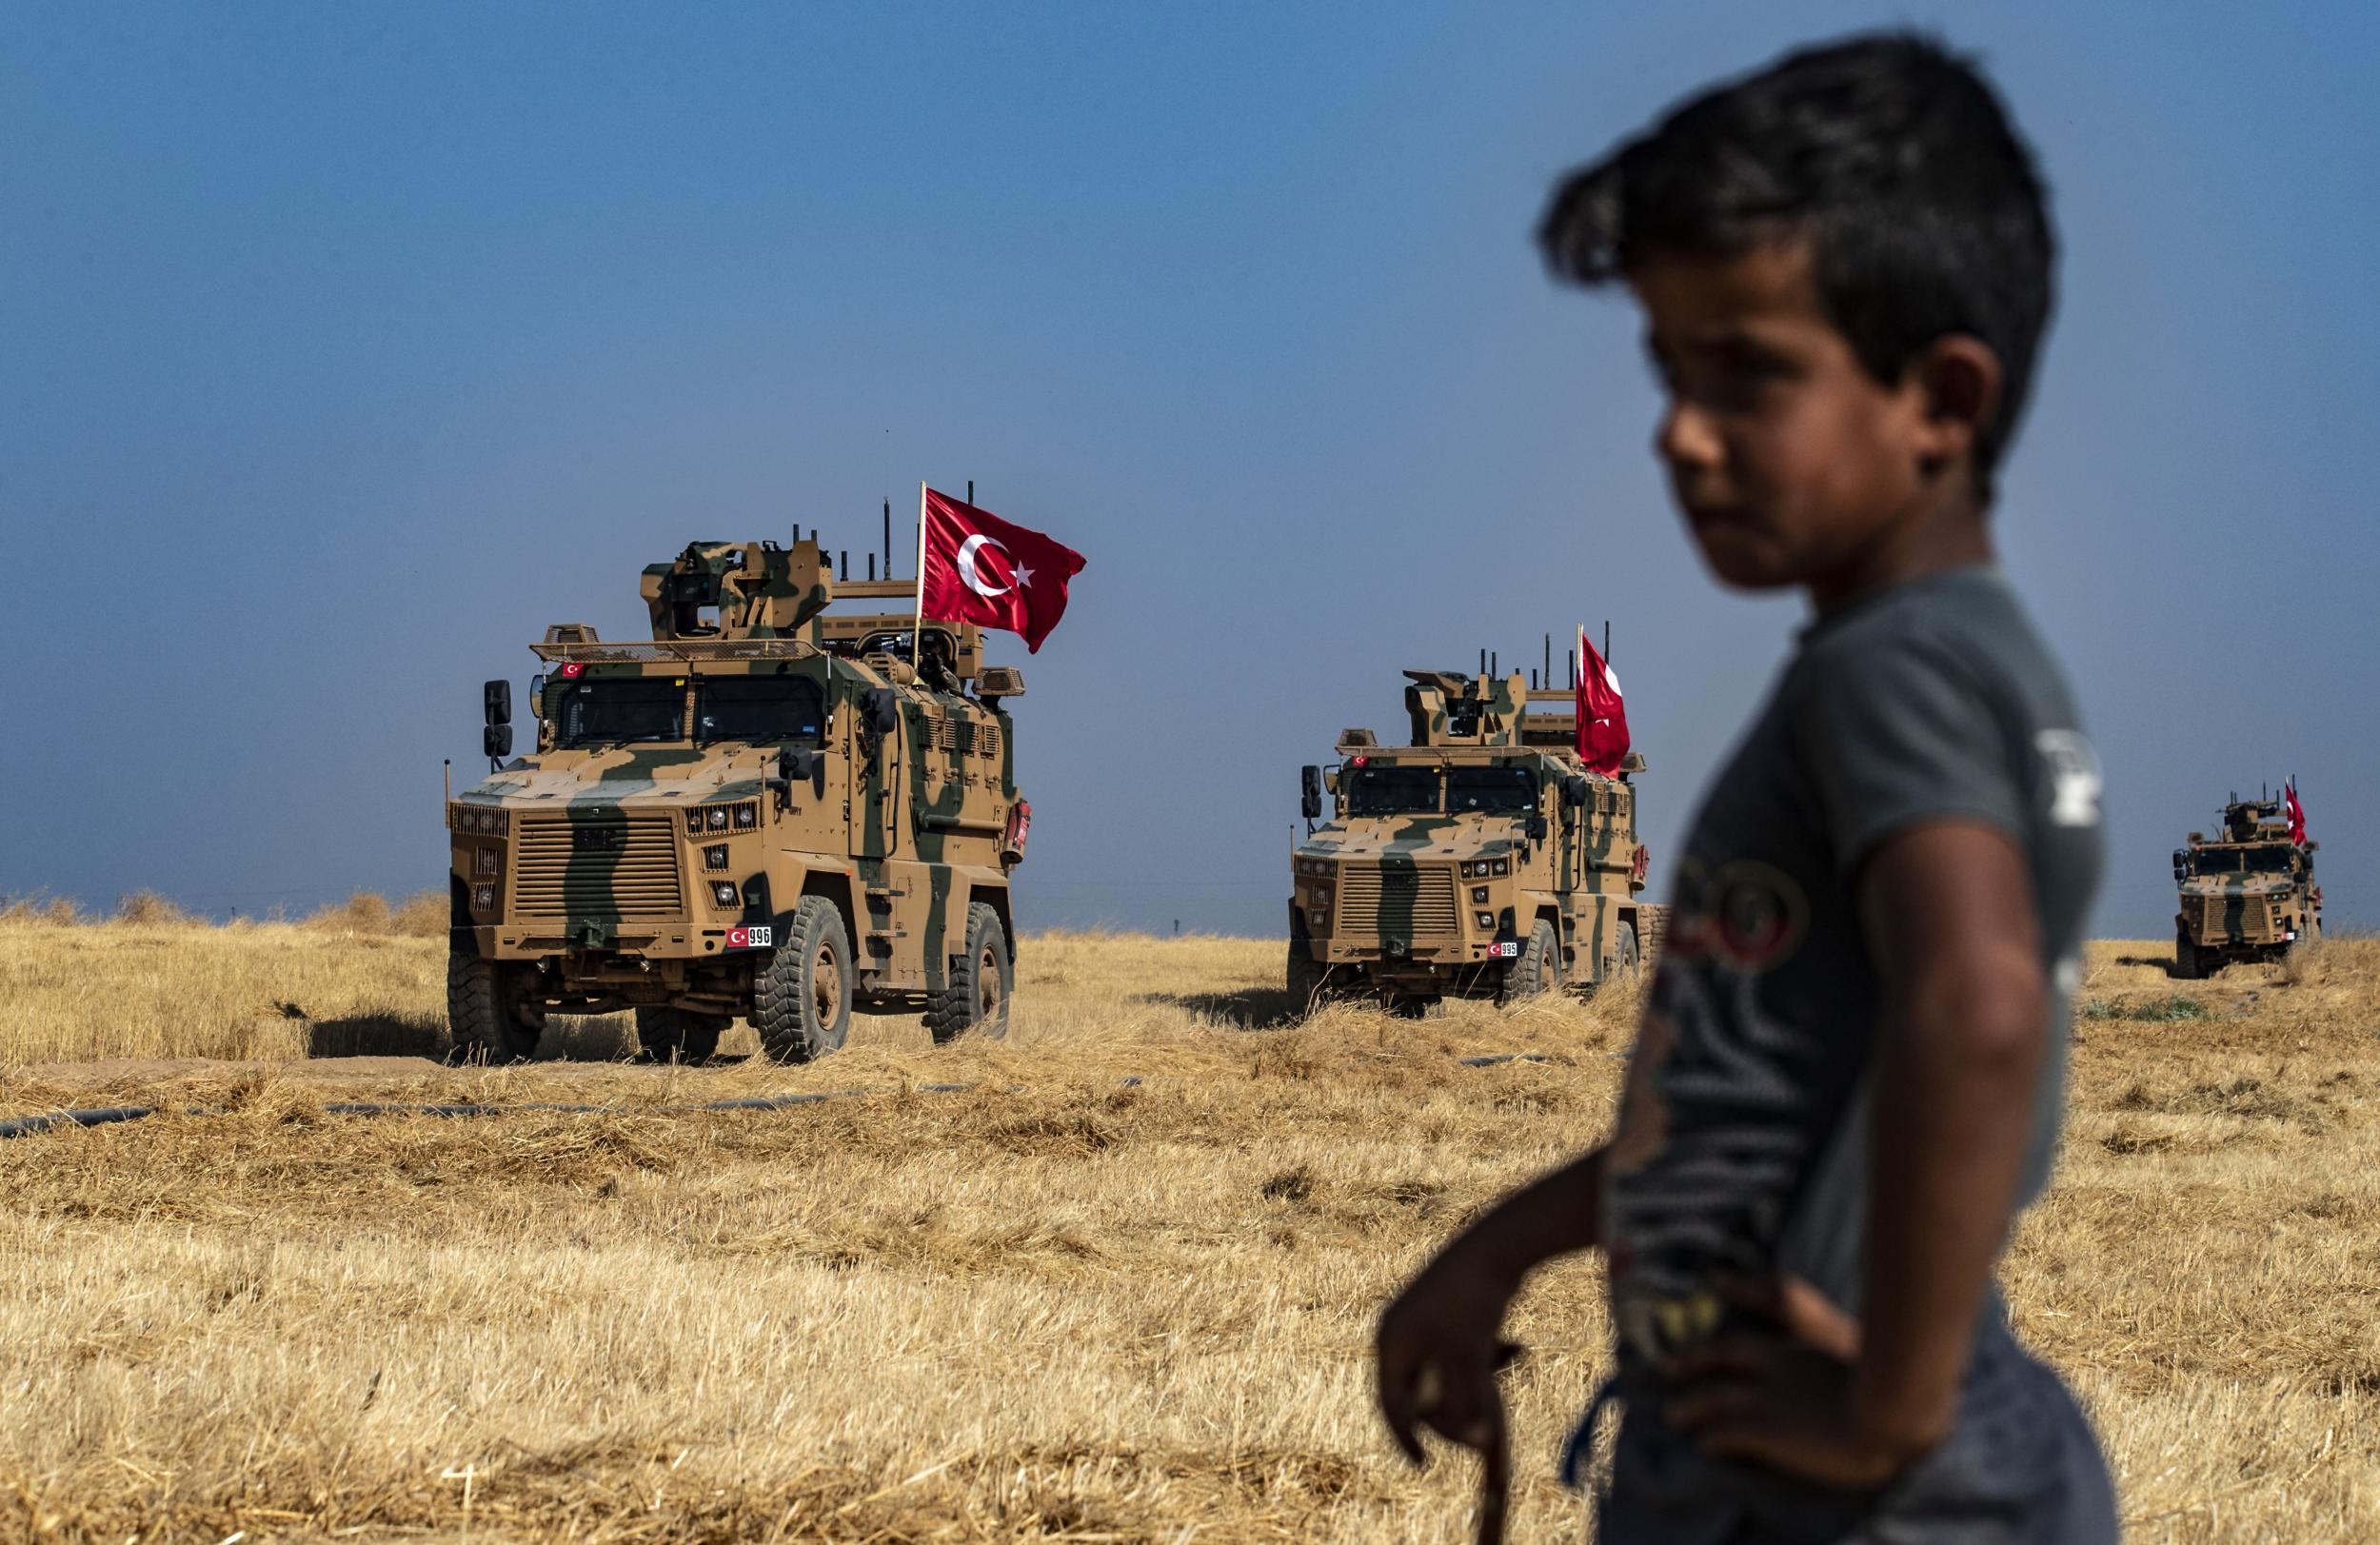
(751, 937)
(1509, 950)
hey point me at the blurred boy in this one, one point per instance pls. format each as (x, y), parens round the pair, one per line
(1850, 1072)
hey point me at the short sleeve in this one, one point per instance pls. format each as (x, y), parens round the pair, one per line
(1897, 734)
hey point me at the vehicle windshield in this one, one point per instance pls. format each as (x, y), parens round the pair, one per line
(2231, 860)
(1389, 788)
(1496, 791)
(619, 711)
(788, 708)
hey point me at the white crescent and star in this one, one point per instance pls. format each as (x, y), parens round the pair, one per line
(972, 574)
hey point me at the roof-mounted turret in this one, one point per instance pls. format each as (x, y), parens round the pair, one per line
(1448, 708)
(731, 590)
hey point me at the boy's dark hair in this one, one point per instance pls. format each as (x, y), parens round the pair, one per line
(1924, 211)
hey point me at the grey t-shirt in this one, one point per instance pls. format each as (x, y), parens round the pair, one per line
(1743, 1142)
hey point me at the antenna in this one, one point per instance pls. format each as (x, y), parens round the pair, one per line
(970, 490)
(888, 538)
(1607, 641)
(1491, 661)
(1483, 661)
(1533, 677)
(871, 567)
(1574, 667)
(845, 556)
(1549, 658)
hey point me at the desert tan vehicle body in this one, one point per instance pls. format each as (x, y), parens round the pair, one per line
(763, 811)
(2246, 895)
(1482, 859)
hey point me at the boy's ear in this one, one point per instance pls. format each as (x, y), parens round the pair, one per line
(1960, 379)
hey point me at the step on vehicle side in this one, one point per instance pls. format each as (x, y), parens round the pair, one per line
(764, 812)
(2248, 894)
(1481, 861)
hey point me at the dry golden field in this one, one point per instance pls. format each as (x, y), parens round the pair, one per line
(1054, 1305)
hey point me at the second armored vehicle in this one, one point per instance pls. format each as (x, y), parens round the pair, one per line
(2247, 894)
(762, 811)
(1482, 859)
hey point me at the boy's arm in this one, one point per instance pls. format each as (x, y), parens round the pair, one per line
(1440, 1346)
(1951, 927)
(1963, 1028)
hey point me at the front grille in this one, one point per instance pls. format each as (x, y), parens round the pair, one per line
(618, 868)
(1403, 904)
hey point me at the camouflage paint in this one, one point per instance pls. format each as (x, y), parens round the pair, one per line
(1581, 876)
(902, 830)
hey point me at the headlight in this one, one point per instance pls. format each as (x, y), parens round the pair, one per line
(726, 894)
(483, 898)
(747, 816)
(481, 818)
(1479, 893)
(1503, 866)
(715, 856)
(1485, 919)
(486, 863)
(716, 818)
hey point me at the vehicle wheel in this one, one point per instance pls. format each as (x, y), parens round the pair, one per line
(1626, 963)
(487, 1018)
(975, 994)
(801, 1005)
(677, 1035)
(1537, 970)
(1305, 978)
(2186, 962)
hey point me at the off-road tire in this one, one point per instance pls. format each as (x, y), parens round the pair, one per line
(667, 1033)
(2187, 966)
(979, 984)
(485, 1020)
(1627, 962)
(1539, 968)
(801, 1005)
(1304, 977)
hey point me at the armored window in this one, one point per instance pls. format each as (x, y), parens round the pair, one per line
(1387, 788)
(620, 712)
(1491, 790)
(788, 709)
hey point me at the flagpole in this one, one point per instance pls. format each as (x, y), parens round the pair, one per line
(917, 630)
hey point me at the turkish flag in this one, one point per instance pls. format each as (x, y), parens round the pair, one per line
(2297, 813)
(975, 567)
(1602, 715)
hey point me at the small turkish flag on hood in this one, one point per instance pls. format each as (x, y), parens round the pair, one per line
(975, 568)
(1602, 715)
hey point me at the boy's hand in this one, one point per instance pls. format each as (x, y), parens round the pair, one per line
(1438, 1351)
(1780, 1394)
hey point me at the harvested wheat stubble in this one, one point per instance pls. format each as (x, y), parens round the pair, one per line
(1074, 1309)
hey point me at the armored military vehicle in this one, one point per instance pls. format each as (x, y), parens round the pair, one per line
(2248, 894)
(1481, 860)
(764, 811)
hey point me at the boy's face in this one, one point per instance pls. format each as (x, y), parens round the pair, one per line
(1791, 464)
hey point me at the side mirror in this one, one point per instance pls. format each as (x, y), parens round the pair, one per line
(496, 701)
(1310, 792)
(1535, 828)
(1574, 791)
(496, 741)
(537, 696)
(797, 764)
(884, 710)
(2181, 864)
(1330, 780)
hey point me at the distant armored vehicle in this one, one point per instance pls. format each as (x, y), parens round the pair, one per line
(2249, 894)
(1482, 859)
(764, 811)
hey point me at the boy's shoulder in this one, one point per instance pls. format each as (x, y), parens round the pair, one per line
(1959, 639)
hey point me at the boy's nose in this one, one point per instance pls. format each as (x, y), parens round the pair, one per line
(1686, 440)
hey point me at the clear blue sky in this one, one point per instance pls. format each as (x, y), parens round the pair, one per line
(343, 347)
